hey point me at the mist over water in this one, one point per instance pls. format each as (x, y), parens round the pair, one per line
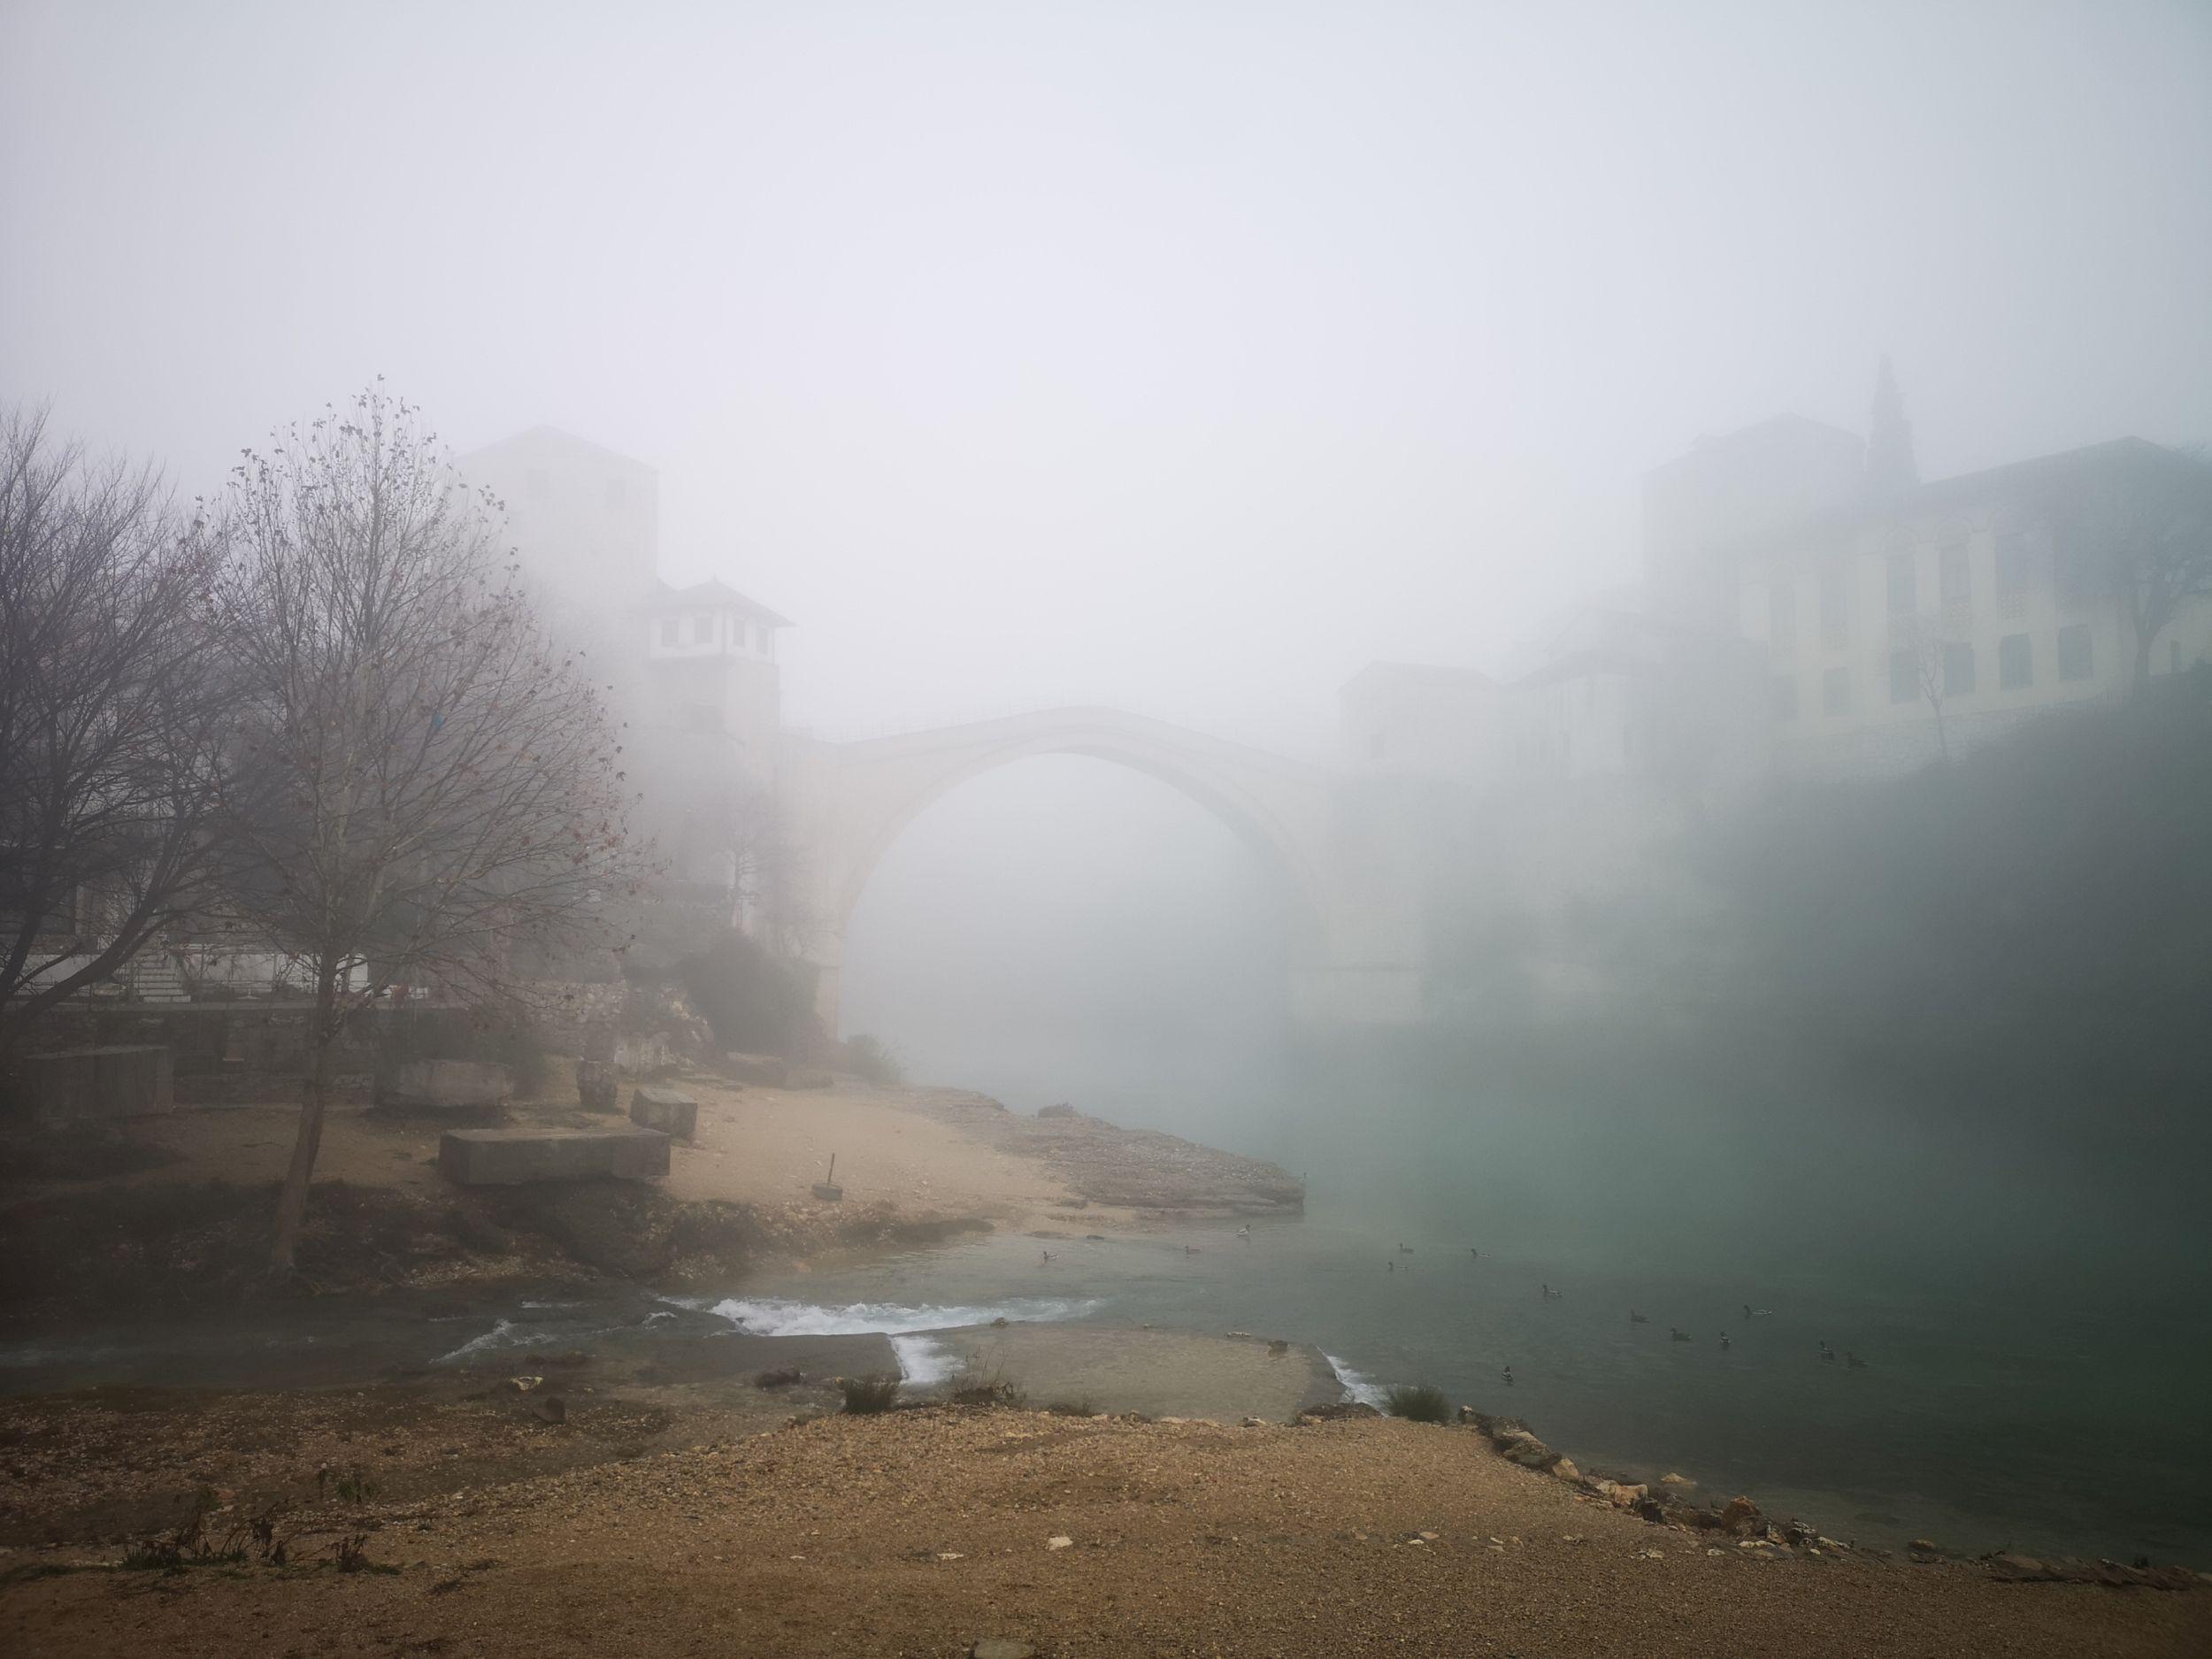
(2012, 1275)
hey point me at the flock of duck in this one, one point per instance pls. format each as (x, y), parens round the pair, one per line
(1675, 1333)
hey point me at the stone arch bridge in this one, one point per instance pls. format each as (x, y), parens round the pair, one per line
(1351, 958)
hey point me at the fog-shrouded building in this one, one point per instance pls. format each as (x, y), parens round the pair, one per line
(1810, 608)
(1902, 626)
(1878, 622)
(693, 668)
(584, 520)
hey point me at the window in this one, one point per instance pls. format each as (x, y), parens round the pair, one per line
(2016, 662)
(618, 495)
(1904, 676)
(1786, 697)
(1832, 607)
(1782, 614)
(2075, 661)
(668, 630)
(702, 628)
(1835, 691)
(1958, 671)
(1952, 571)
(1903, 596)
(701, 717)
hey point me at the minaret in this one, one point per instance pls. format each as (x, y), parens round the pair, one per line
(1890, 466)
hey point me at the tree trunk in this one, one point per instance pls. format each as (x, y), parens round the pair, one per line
(2141, 682)
(292, 1201)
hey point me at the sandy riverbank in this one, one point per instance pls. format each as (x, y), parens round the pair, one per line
(175, 1208)
(921, 1531)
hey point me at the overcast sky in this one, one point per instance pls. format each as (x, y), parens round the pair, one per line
(1186, 355)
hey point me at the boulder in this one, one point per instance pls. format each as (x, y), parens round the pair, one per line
(1740, 1514)
(596, 1086)
(669, 1110)
(1566, 1471)
(1520, 1447)
(764, 1070)
(461, 1086)
(1062, 1111)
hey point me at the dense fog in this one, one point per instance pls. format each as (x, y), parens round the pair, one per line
(1588, 626)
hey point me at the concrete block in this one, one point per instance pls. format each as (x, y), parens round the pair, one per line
(481, 1086)
(522, 1158)
(123, 1081)
(669, 1110)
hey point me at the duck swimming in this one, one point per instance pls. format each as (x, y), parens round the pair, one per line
(1637, 1318)
(1680, 1336)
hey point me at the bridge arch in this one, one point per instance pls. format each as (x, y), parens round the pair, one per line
(852, 801)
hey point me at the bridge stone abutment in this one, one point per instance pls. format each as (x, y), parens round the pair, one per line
(1352, 958)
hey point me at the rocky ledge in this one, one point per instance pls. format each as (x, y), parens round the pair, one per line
(1138, 1169)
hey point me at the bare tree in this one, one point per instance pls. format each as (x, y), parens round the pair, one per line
(1928, 642)
(2142, 530)
(107, 743)
(431, 787)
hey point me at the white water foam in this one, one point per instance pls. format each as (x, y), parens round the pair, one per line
(924, 1361)
(773, 1316)
(501, 1335)
(1356, 1384)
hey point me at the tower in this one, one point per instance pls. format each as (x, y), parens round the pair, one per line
(1889, 466)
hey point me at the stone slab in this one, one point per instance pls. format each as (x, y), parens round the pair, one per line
(479, 1086)
(670, 1110)
(768, 1071)
(1160, 1373)
(119, 1081)
(522, 1158)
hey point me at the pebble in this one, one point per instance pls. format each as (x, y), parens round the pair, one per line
(1059, 1540)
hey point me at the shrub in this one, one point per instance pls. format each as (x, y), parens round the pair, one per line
(874, 1063)
(864, 1395)
(1417, 1402)
(757, 1002)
